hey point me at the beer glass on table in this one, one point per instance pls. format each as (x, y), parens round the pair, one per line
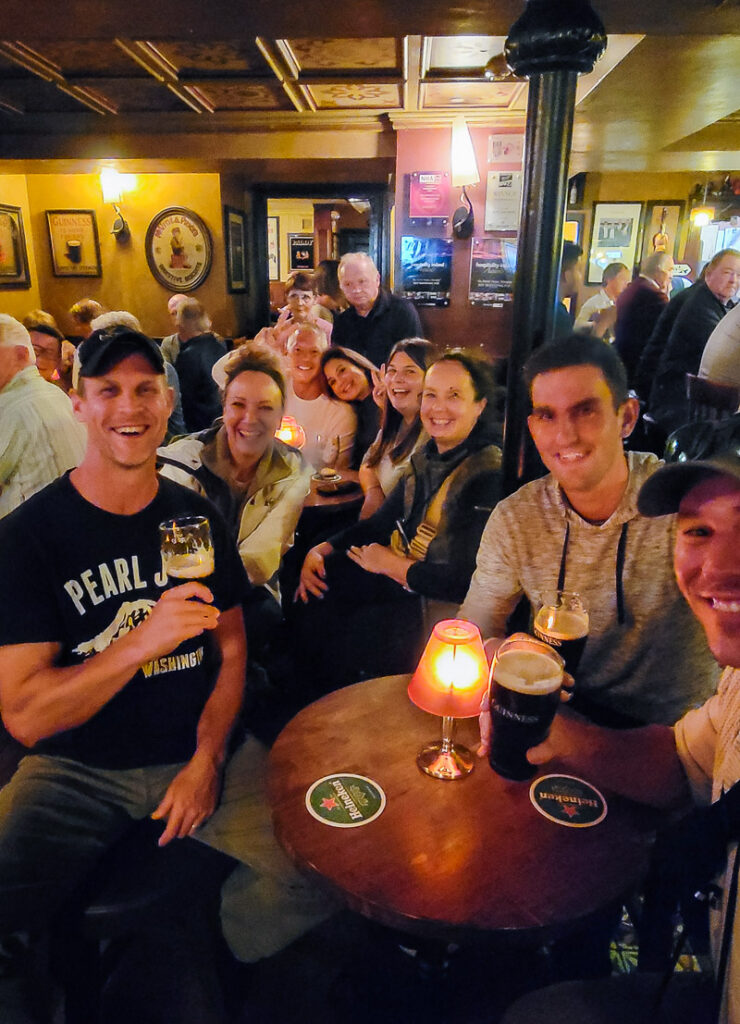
(187, 548)
(561, 620)
(526, 676)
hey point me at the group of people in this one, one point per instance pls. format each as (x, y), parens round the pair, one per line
(127, 690)
(663, 329)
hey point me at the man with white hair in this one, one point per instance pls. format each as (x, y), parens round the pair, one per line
(199, 350)
(638, 309)
(39, 437)
(376, 319)
(329, 425)
(171, 344)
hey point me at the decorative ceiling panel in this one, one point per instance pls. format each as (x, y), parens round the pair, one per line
(212, 58)
(342, 54)
(346, 95)
(86, 59)
(501, 95)
(34, 96)
(243, 94)
(446, 53)
(133, 94)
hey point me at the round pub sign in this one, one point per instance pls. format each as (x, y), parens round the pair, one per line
(178, 249)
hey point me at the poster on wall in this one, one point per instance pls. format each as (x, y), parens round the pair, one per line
(429, 195)
(614, 232)
(178, 249)
(73, 240)
(273, 248)
(13, 255)
(503, 199)
(492, 264)
(300, 248)
(426, 270)
(506, 149)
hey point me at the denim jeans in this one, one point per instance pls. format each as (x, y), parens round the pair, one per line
(57, 818)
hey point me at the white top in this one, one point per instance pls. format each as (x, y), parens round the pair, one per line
(597, 302)
(721, 358)
(39, 437)
(326, 418)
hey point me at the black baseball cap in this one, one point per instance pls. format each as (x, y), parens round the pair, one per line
(663, 492)
(103, 349)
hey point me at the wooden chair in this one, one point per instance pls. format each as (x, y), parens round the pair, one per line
(710, 400)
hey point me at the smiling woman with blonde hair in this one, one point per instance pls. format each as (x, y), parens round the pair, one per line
(258, 482)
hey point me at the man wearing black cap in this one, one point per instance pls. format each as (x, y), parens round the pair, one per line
(125, 689)
(699, 757)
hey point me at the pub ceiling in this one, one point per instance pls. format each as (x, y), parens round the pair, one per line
(314, 92)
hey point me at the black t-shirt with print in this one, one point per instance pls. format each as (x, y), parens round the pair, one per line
(76, 575)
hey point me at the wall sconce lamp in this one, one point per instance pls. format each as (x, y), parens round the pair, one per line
(702, 214)
(464, 172)
(450, 681)
(113, 186)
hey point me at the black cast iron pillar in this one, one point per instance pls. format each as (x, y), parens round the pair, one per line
(550, 44)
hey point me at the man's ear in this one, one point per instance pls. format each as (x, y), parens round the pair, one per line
(630, 415)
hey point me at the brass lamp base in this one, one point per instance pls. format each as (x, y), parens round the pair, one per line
(445, 760)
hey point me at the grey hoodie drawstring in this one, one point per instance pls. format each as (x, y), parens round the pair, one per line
(621, 548)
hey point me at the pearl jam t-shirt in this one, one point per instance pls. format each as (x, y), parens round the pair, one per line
(76, 575)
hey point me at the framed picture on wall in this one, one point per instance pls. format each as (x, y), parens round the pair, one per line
(178, 249)
(73, 240)
(573, 228)
(273, 248)
(300, 248)
(615, 231)
(13, 253)
(662, 228)
(235, 232)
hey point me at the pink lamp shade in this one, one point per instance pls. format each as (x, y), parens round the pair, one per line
(452, 675)
(291, 432)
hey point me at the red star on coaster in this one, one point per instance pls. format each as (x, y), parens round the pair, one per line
(570, 809)
(329, 803)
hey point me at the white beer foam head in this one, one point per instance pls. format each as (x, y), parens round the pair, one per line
(527, 672)
(562, 623)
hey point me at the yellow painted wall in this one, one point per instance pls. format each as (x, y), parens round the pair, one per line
(126, 281)
(296, 217)
(19, 301)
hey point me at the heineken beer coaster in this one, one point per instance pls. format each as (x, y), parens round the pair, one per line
(345, 801)
(568, 800)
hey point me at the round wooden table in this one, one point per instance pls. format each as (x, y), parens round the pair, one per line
(332, 502)
(449, 860)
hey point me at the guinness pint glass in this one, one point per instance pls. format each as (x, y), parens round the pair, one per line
(526, 676)
(562, 622)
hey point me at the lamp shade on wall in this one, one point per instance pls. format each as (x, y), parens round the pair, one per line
(463, 164)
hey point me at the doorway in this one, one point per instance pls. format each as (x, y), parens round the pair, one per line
(298, 226)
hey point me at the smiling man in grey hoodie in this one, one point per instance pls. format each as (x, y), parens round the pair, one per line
(579, 528)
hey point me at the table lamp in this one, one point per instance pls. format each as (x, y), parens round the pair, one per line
(291, 432)
(450, 681)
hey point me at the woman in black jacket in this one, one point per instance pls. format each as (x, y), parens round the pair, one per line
(361, 590)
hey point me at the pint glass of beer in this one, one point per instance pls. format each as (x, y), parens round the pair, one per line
(187, 548)
(526, 676)
(562, 622)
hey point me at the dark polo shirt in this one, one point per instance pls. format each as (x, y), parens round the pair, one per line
(391, 319)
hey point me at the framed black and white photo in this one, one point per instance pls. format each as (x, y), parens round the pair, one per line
(615, 232)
